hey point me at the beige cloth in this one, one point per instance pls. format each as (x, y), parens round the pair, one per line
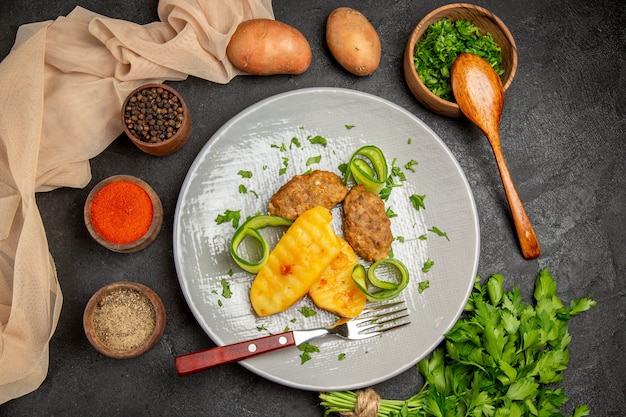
(61, 88)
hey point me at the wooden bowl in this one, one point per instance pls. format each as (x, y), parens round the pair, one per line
(161, 145)
(487, 22)
(124, 319)
(142, 241)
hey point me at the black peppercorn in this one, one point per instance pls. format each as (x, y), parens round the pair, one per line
(153, 115)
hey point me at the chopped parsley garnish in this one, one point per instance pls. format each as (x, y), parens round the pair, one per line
(410, 166)
(417, 201)
(439, 232)
(283, 170)
(423, 286)
(314, 160)
(317, 140)
(226, 292)
(245, 174)
(306, 349)
(307, 312)
(349, 126)
(427, 265)
(295, 142)
(232, 216)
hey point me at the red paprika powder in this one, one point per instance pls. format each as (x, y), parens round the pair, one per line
(121, 212)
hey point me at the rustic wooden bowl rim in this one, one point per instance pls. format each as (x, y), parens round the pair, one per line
(157, 333)
(151, 233)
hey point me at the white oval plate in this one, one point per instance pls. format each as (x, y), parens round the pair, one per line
(261, 140)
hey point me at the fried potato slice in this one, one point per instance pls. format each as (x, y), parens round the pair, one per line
(296, 262)
(335, 291)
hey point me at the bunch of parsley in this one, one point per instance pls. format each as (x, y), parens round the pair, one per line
(500, 360)
(443, 41)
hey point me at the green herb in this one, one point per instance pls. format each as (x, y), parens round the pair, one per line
(261, 328)
(439, 232)
(243, 189)
(306, 349)
(283, 170)
(390, 213)
(398, 173)
(314, 160)
(307, 312)
(226, 293)
(245, 174)
(417, 201)
(400, 239)
(423, 286)
(442, 43)
(385, 193)
(409, 140)
(232, 216)
(349, 126)
(427, 265)
(319, 140)
(341, 356)
(282, 147)
(295, 142)
(411, 165)
(501, 359)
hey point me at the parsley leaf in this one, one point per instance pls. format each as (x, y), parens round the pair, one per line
(307, 312)
(417, 201)
(314, 160)
(232, 216)
(319, 140)
(226, 292)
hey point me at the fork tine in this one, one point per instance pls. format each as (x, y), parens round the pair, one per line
(375, 318)
(380, 307)
(380, 325)
(374, 324)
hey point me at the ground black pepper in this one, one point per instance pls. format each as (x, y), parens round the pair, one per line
(153, 114)
(124, 319)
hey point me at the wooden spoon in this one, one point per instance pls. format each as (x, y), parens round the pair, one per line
(479, 93)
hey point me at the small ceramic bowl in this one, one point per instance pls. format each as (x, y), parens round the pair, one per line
(487, 22)
(156, 119)
(124, 194)
(124, 319)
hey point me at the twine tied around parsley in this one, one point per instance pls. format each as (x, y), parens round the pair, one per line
(367, 404)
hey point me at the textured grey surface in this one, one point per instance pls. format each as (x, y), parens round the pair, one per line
(563, 132)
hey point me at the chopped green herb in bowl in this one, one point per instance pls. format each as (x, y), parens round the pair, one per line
(444, 34)
(443, 42)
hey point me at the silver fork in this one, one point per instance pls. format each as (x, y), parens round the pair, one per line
(373, 321)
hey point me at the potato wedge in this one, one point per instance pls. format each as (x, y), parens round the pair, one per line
(335, 291)
(296, 262)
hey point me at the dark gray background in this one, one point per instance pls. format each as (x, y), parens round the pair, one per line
(563, 136)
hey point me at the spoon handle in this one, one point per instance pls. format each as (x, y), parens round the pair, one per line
(525, 232)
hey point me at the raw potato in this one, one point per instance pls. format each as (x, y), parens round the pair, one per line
(353, 41)
(268, 47)
(335, 291)
(296, 262)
